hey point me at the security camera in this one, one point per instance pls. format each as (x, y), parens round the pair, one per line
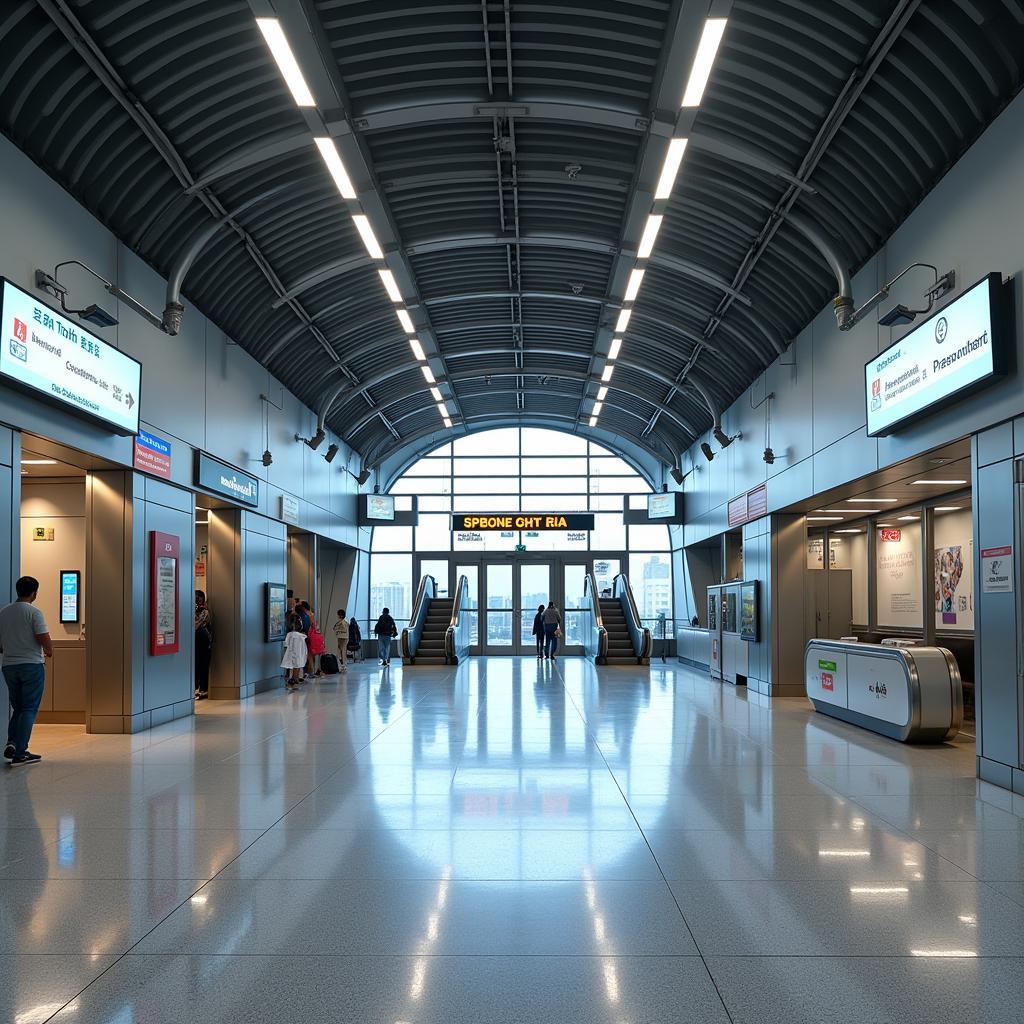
(723, 438)
(268, 459)
(769, 456)
(677, 474)
(709, 452)
(364, 475)
(330, 453)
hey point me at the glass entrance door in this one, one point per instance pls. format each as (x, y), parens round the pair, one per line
(499, 608)
(535, 589)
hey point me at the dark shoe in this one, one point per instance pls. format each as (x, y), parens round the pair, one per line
(9, 751)
(25, 758)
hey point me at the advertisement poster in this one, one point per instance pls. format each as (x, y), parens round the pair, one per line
(997, 569)
(201, 567)
(163, 614)
(949, 570)
(276, 609)
(898, 578)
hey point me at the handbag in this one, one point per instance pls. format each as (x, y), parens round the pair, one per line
(316, 641)
(558, 631)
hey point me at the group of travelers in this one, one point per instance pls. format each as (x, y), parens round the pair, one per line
(547, 629)
(304, 644)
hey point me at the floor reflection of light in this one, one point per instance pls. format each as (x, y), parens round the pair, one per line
(200, 899)
(879, 890)
(44, 1011)
(419, 967)
(970, 919)
(608, 968)
(944, 953)
(844, 853)
(858, 824)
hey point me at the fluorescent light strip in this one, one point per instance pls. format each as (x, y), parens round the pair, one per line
(443, 410)
(670, 168)
(847, 531)
(948, 508)
(39, 462)
(598, 406)
(286, 62)
(853, 511)
(636, 276)
(417, 348)
(362, 223)
(647, 239)
(926, 483)
(447, 423)
(909, 519)
(390, 285)
(329, 151)
(703, 61)
(593, 421)
(824, 519)
(623, 322)
(872, 501)
(607, 374)
(436, 393)
(428, 374)
(613, 350)
(406, 321)
(602, 391)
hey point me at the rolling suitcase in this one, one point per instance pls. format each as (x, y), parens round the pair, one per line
(328, 664)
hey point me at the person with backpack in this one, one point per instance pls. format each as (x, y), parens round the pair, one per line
(552, 620)
(355, 640)
(385, 630)
(538, 630)
(341, 633)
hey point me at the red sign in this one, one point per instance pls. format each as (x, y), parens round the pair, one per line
(996, 552)
(165, 552)
(152, 454)
(828, 681)
(891, 536)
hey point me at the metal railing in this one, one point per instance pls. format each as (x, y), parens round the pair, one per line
(643, 643)
(458, 635)
(425, 593)
(595, 636)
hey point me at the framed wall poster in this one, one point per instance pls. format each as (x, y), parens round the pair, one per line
(165, 556)
(275, 608)
(748, 611)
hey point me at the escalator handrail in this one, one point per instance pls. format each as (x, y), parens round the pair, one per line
(643, 642)
(453, 649)
(425, 593)
(590, 591)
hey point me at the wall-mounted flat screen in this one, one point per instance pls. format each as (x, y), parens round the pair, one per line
(70, 590)
(956, 350)
(50, 354)
(661, 506)
(380, 508)
(274, 611)
(748, 610)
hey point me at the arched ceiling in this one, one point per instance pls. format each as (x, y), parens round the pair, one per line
(506, 154)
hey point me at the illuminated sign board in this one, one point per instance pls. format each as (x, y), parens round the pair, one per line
(380, 507)
(524, 521)
(955, 351)
(661, 506)
(46, 352)
(70, 588)
(214, 475)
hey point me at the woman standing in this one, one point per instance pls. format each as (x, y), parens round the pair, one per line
(203, 645)
(552, 629)
(538, 630)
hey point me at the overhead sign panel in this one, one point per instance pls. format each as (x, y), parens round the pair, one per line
(956, 350)
(214, 475)
(524, 521)
(46, 352)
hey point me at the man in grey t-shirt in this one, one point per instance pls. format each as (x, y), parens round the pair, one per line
(25, 642)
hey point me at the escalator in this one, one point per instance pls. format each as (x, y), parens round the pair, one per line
(439, 629)
(616, 634)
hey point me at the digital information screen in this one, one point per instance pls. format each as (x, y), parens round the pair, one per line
(956, 349)
(70, 586)
(380, 507)
(524, 521)
(47, 352)
(661, 506)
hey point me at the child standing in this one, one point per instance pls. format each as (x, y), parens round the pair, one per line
(341, 636)
(295, 654)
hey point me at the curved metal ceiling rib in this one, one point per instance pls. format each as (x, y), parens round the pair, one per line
(506, 163)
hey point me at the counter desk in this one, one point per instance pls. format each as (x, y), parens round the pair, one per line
(911, 694)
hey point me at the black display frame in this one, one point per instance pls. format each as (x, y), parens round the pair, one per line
(271, 635)
(77, 573)
(748, 630)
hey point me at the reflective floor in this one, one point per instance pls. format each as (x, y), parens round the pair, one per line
(508, 842)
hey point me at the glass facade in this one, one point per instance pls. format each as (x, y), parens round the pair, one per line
(523, 469)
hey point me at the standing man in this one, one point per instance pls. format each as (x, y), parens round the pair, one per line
(385, 630)
(25, 642)
(341, 635)
(552, 630)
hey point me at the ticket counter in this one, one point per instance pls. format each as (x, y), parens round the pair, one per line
(909, 694)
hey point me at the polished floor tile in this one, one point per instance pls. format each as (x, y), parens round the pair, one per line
(506, 842)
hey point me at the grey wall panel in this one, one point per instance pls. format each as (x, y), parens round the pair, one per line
(845, 459)
(996, 622)
(995, 445)
(790, 379)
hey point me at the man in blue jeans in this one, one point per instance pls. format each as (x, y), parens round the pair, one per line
(25, 642)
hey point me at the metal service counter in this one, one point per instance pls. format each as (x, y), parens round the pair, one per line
(912, 694)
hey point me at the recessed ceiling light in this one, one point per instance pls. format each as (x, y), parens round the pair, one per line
(607, 373)
(593, 421)
(824, 519)
(929, 483)
(670, 168)
(847, 531)
(602, 391)
(636, 276)
(39, 462)
(613, 349)
(650, 235)
(286, 62)
(853, 511)
(406, 321)
(872, 501)
(623, 322)
(598, 406)
(428, 374)
(908, 519)
(362, 223)
(436, 392)
(700, 72)
(329, 151)
(417, 348)
(948, 508)
(390, 285)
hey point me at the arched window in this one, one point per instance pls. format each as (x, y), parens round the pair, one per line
(520, 469)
